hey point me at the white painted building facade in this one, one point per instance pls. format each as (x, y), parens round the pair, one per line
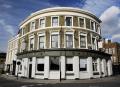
(10, 63)
(104, 68)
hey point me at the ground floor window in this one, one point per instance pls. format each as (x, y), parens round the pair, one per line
(40, 64)
(83, 64)
(69, 67)
(40, 67)
(54, 63)
(94, 65)
(69, 64)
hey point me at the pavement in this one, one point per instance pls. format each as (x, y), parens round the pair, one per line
(11, 81)
(97, 80)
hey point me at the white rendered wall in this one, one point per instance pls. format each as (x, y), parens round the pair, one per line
(46, 68)
(90, 67)
(84, 75)
(63, 67)
(99, 67)
(76, 67)
(104, 67)
(25, 69)
(109, 65)
(33, 66)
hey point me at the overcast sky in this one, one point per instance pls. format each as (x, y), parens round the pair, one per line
(12, 12)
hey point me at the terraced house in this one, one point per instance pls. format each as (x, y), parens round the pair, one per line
(61, 43)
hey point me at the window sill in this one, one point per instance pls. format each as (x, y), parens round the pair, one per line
(95, 73)
(54, 70)
(39, 73)
(83, 72)
(69, 73)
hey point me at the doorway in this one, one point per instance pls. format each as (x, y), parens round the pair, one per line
(14, 67)
(30, 70)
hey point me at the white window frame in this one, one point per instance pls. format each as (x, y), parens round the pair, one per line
(41, 34)
(72, 21)
(95, 42)
(44, 20)
(72, 33)
(52, 21)
(93, 25)
(32, 29)
(22, 31)
(23, 47)
(99, 29)
(50, 63)
(84, 34)
(94, 63)
(79, 21)
(32, 36)
(55, 33)
(69, 60)
(39, 61)
(80, 64)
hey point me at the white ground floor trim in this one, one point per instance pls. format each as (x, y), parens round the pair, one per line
(64, 67)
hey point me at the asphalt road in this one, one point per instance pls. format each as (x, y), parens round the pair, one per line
(11, 83)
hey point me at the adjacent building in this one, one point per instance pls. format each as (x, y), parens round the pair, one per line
(10, 63)
(113, 48)
(61, 43)
(2, 61)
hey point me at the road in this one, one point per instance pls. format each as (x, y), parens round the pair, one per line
(12, 83)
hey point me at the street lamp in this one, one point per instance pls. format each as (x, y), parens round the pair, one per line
(60, 68)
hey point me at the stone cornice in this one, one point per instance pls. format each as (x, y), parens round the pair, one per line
(63, 52)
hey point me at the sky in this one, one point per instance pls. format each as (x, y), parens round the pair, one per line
(12, 12)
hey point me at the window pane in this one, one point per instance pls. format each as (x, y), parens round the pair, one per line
(87, 23)
(82, 41)
(81, 20)
(23, 45)
(68, 21)
(92, 25)
(83, 64)
(42, 23)
(54, 41)
(41, 41)
(54, 21)
(40, 67)
(94, 65)
(32, 25)
(54, 63)
(69, 67)
(94, 43)
(69, 41)
(31, 43)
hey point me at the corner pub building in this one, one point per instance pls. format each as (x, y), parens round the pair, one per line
(61, 42)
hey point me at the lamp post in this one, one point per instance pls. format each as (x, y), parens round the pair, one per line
(18, 63)
(60, 68)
